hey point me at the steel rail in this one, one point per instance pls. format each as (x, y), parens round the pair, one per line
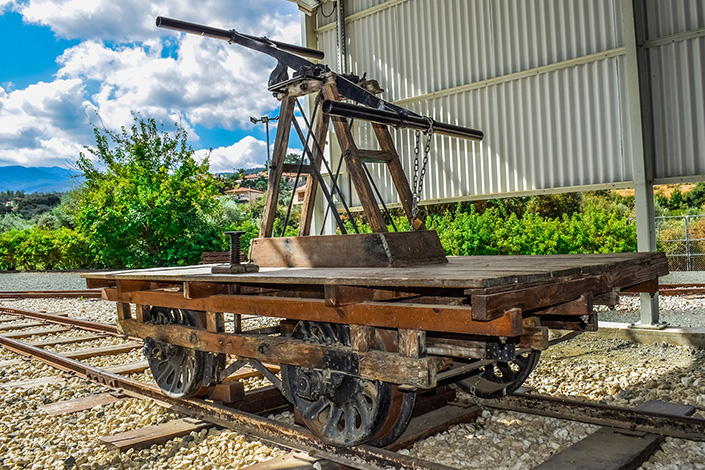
(51, 294)
(66, 321)
(361, 457)
(685, 427)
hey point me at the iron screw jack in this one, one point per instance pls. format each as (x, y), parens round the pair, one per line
(236, 265)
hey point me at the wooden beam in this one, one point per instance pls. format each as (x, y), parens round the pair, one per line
(446, 318)
(104, 351)
(373, 365)
(79, 404)
(281, 142)
(150, 435)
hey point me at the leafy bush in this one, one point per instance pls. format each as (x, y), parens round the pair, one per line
(41, 249)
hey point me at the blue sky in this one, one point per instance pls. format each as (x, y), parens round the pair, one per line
(72, 64)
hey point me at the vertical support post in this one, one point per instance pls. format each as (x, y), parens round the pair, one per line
(689, 264)
(354, 165)
(639, 124)
(286, 114)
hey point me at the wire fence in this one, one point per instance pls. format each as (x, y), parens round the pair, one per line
(682, 238)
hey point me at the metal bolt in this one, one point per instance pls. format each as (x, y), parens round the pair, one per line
(235, 254)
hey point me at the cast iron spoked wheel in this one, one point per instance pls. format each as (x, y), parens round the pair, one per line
(501, 378)
(342, 409)
(178, 371)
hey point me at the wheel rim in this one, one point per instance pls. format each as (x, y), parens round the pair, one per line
(339, 408)
(179, 371)
(501, 378)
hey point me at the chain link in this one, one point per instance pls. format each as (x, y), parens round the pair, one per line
(420, 175)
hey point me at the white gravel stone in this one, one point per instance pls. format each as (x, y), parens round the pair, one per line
(612, 371)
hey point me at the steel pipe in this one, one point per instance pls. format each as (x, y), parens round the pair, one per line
(398, 120)
(227, 35)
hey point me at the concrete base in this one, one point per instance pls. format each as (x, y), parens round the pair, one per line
(693, 337)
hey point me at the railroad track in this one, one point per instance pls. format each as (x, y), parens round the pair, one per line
(51, 294)
(245, 416)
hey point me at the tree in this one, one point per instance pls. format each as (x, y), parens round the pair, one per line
(146, 201)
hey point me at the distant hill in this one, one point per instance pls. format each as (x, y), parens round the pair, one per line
(37, 179)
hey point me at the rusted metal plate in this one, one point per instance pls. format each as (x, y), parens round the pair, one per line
(396, 249)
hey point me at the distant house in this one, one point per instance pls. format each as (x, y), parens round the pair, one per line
(244, 194)
(299, 195)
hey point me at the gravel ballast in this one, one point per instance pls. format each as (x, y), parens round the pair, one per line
(612, 371)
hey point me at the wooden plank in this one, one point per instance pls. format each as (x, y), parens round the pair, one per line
(78, 404)
(487, 307)
(296, 461)
(69, 340)
(452, 319)
(150, 435)
(103, 351)
(396, 249)
(434, 422)
(27, 334)
(281, 141)
(27, 384)
(127, 369)
(10, 363)
(375, 156)
(33, 324)
(294, 168)
(472, 272)
(612, 449)
(606, 449)
(374, 365)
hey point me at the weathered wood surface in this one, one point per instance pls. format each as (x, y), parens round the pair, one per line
(103, 351)
(28, 333)
(157, 434)
(78, 404)
(469, 272)
(129, 368)
(612, 449)
(69, 340)
(396, 249)
(33, 383)
(449, 318)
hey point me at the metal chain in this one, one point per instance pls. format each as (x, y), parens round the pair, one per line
(419, 176)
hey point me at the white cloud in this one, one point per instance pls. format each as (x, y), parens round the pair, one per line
(133, 20)
(44, 123)
(124, 64)
(247, 153)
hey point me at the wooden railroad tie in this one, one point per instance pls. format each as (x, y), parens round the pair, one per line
(615, 449)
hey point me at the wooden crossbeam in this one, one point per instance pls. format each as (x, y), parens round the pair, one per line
(157, 434)
(104, 351)
(78, 404)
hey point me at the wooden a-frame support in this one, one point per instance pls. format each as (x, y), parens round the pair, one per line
(354, 160)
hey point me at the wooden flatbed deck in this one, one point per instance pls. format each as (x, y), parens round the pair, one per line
(490, 289)
(465, 272)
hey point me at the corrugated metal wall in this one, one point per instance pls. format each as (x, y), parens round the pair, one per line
(542, 78)
(676, 48)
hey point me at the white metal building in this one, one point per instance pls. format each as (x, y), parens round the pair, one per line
(571, 94)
